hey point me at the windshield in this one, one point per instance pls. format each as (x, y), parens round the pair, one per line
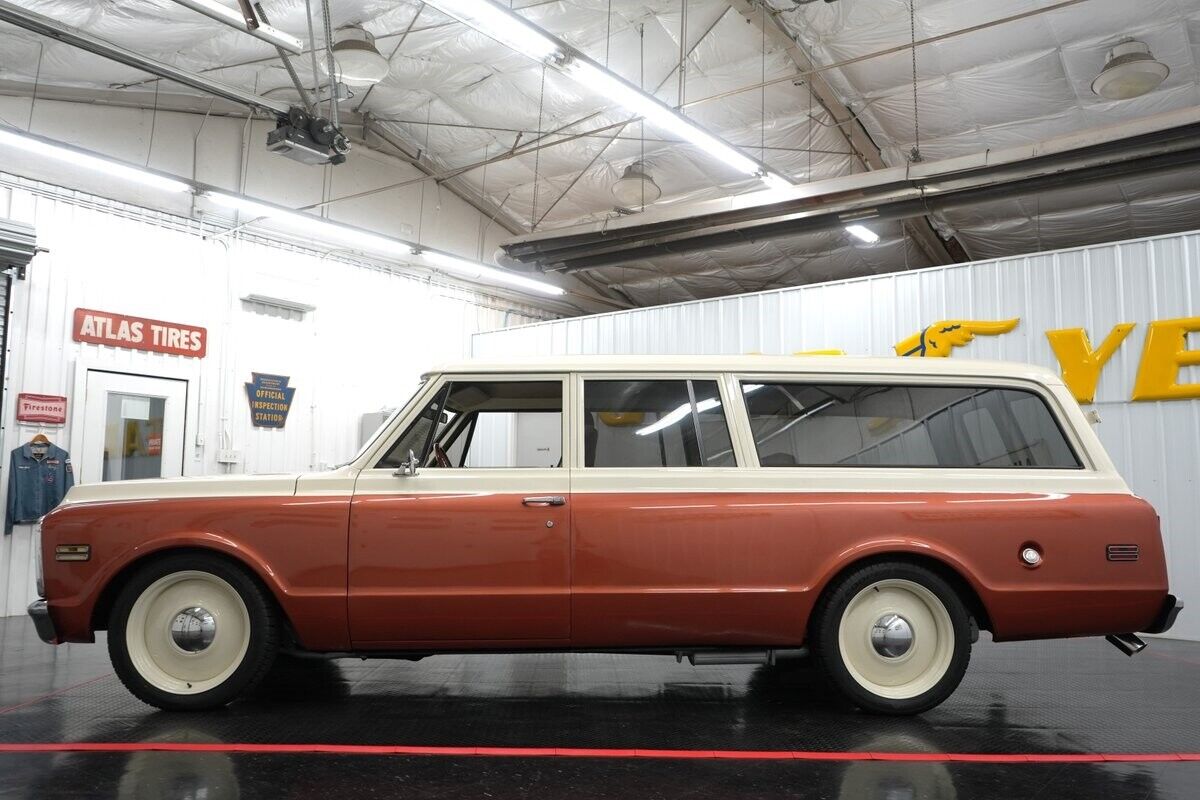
(386, 423)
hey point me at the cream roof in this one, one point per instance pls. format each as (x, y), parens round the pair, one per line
(965, 367)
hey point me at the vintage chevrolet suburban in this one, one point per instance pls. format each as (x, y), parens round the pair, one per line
(877, 512)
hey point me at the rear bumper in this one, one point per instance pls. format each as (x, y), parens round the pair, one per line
(39, 612)
(1166, 616)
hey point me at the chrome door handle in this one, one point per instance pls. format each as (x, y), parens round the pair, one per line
(541, 501)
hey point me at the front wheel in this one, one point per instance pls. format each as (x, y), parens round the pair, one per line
(894, 637)
(191, 632)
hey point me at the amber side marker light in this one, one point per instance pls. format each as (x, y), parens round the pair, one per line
(72, 552)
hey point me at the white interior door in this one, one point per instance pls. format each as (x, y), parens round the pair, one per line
(133, 428)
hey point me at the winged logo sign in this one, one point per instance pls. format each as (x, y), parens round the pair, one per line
(940, 338)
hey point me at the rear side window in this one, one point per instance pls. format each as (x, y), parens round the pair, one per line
(874, 425)
(655, 423)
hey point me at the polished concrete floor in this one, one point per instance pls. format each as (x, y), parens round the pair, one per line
(1076, 698)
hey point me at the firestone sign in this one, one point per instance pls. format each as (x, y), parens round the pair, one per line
(45, 408)
(139, 333)
(270, 399)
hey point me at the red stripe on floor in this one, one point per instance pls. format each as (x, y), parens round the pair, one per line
(55, 693)
(574, 752)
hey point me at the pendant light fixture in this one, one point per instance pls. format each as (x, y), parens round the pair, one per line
(1130, 70)
(635, 187)
(358, 62)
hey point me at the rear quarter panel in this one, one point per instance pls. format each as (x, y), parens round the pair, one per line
(746, 567)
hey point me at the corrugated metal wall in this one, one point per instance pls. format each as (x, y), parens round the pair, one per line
(1156, 445)
(362, 349)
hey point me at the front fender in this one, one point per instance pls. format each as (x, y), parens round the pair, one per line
(295, 547)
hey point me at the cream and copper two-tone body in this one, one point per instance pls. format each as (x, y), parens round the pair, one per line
(886, 571)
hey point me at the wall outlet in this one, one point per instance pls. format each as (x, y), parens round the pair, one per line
(229, 457)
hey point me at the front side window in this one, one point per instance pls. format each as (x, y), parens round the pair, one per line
(655, 423)
(874, 425)
(486, 424)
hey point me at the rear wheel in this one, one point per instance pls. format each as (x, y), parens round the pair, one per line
(895, 638)
(192, 632)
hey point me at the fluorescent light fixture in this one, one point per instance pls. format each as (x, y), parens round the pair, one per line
(313, 226)
(657, 113)
(234, 19)
(678, 414)
(482, 272)
(509, 28)
(502, 25)
(95, 162)
(862, 233)
(357, 238)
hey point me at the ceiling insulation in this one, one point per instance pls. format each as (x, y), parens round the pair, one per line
(461, 99)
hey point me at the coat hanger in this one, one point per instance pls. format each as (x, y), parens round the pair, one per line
(39, 438)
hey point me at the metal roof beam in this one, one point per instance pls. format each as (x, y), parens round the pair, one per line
(53, 29)
(865, 151)
(1162, 142)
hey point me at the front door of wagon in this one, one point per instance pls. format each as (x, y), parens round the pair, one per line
(474, 547)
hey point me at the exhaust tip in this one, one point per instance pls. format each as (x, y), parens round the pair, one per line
(1128, 643)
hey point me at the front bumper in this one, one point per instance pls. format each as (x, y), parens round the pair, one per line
(39, 611)
(1166, 616)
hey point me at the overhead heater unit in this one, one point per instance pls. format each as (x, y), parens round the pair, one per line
(308, 139)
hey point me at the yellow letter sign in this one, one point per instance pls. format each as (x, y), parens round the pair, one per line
(1081, 364)
(1165, 352)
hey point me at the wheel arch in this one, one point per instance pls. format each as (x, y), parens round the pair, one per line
(943, 567)
(108, 595)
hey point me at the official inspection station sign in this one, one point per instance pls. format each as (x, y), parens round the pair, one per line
(270, 399)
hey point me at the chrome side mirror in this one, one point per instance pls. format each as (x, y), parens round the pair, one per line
(407, 468)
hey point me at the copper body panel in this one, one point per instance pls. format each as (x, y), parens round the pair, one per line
(747, 567)
(458, 568)
(295, 545)
(640, 569)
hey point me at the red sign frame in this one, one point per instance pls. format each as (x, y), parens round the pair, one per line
(46, 408)
(139, 333)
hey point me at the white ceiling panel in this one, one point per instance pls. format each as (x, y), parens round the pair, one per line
(1018, 82)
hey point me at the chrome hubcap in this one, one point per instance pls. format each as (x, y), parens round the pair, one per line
(891, 636)
(193, 629)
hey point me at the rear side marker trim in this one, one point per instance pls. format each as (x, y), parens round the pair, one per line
(577, 752)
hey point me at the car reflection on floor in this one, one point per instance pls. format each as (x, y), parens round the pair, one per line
(1063, 697)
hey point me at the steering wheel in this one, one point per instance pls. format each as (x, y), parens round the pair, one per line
(440, 459)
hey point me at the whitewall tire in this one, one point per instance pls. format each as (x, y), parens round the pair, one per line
(192, 631)
(895, 637)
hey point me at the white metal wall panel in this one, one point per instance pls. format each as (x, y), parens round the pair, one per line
(371, 336)
(1156, 445)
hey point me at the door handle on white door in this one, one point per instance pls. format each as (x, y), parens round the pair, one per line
(541, 501)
